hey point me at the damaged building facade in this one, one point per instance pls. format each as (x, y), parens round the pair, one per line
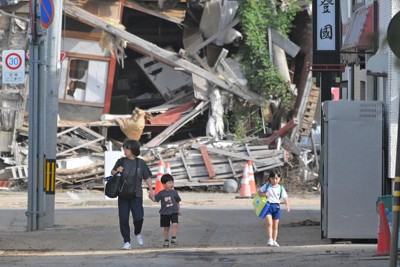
(161, 72)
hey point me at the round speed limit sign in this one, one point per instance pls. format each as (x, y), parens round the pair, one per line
(13, 66)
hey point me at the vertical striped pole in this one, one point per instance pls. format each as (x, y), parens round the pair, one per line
(395, 218)
(394, 238)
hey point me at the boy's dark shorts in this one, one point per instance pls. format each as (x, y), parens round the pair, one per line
(166, 219)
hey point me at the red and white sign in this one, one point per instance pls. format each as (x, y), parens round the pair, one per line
(62, 55)
(13, 71)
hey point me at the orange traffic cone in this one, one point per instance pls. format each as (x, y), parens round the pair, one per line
(244, 185)
(252, 181)
(167, 168)
(159, 185)
(383, 232)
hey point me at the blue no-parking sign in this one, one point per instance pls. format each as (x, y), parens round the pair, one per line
(46, 13)
(13, 66)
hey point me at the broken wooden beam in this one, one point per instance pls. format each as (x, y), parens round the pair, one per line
(207, 161)
(282, 131)
(156, 141)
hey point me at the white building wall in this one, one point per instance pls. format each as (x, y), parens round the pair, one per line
(360, 75)
(86, 47)
(370, 87)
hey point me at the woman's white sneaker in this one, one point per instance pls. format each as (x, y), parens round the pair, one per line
(139, 239)
(127, 246)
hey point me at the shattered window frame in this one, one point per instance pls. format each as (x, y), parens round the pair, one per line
(78, 86)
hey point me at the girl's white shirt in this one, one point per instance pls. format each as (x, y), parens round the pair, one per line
(274, 191)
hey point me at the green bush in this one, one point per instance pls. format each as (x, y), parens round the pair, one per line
(263, 78)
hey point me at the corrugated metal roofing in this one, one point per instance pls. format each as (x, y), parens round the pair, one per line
(361, 30)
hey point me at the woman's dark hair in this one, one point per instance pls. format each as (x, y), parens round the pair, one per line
(133, 146)
(166, 178)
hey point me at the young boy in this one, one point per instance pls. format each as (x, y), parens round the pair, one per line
(170, 208)
(274, 192)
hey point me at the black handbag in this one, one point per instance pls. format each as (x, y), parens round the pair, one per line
(113, 184)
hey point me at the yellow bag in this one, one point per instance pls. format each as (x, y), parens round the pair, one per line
(260, 206)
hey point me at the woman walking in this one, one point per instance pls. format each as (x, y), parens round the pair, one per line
(133, 171)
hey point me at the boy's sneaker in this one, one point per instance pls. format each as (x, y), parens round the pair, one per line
(275, 244)
(139, 239)
(174, 241)
(270, 242)
(127, 246)
(166, 244)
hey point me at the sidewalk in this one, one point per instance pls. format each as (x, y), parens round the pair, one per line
(17, 202)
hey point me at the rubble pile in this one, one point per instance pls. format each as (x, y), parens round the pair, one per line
(184, 88)
(203, 161)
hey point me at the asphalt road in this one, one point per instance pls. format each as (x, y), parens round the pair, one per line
(215, 229)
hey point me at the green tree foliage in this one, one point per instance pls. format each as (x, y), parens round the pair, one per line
(263, 78)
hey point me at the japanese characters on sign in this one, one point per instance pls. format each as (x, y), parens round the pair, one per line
(326, 25)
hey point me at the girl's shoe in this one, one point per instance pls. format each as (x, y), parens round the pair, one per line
(275, 244)
(270, 243)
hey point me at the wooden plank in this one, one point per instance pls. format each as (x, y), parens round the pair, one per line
(314, 150)
(207, 162)
(232, 168)
(221, 56)
(282, 131)
(300, 113)
(133, 5)
(310, 104)
(193, 50)
(156, 141)
(224, 167)
(226, 153)
(96, 138)
(197, 183)
(313, 99)
(212, 180)
(288, 46)
(194, 160)
(309, 113)
(248, 152)
(201, 173)
(232, 80)
(185, 164)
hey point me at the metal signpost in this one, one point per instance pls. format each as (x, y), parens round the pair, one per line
(44, 51)
(394, 44)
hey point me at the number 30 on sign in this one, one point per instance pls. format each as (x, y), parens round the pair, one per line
(13, 66)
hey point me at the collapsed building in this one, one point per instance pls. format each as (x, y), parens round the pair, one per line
(161, 72)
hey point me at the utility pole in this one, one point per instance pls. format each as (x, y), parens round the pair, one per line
(394, 45)
(44, 67)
